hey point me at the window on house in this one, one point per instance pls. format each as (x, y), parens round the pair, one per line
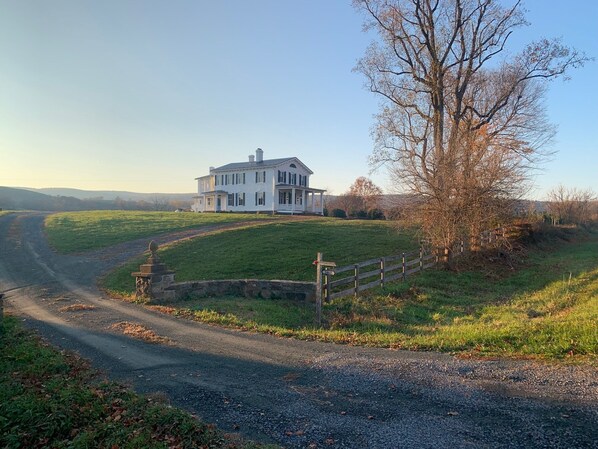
(284, 198)
(216, 180)
(260, 198)
(209, 201)
(243, 178)
(293, 166)
(231, 199)
(241, 200)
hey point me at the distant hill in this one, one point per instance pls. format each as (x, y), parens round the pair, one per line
(19, 199)
(112, 194)
(56, 199)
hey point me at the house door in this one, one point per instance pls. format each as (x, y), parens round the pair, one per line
(218, 204)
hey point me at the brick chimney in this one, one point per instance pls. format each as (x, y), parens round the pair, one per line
(259, 155)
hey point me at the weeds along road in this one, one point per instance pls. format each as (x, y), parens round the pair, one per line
(294, 393)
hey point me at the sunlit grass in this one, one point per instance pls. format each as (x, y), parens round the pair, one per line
(283, 250)
(82, 231)
(547, 308)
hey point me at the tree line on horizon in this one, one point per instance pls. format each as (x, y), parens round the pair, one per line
(21, 199)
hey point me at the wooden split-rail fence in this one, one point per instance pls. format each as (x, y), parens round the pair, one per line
(335, 282)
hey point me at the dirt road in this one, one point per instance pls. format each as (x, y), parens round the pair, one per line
(295, 393)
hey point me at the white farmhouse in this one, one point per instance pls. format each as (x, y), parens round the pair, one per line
(258, 185)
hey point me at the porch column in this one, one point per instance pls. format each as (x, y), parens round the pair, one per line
(322, 203)
(312, 202)
(293, 201)
(274, 195)
(303, 200)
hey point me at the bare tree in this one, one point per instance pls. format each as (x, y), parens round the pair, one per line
(369, 192)
(571, 205)
(350, 204)
(159, 204)
(460, 127)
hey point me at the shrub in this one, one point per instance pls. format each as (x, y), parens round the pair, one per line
(339, 213)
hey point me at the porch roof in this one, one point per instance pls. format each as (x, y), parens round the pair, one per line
(214, 192)
(293, 186)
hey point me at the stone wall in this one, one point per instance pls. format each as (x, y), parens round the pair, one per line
(248, 288)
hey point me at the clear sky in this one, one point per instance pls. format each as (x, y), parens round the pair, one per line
(146, 95)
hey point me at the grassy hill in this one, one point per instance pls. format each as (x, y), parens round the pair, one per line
(82, 231)
(284, 250)
(546, 309)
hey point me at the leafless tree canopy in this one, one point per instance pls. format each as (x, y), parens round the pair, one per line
(362, 198)
(460, 125)
(572, 205)
(365, 189)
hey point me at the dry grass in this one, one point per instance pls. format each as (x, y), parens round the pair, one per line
(140, 332)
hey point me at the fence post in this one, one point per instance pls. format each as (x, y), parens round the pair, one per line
(382, 273)
(404, 267)
(421, 258)
(356, 279)
(319, 259)
(327, 287)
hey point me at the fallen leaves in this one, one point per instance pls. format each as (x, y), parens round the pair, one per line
(138, 331)
(77, 308)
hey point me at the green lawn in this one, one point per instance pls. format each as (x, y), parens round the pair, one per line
(547, 308)
(70, 232)
(53, 399)
(284, 250)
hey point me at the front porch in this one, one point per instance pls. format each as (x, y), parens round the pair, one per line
(299, 200)
(214, 201)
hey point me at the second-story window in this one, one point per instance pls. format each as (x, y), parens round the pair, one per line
(282, 177)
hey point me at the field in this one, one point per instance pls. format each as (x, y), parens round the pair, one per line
(546, 308)
(284, 250)
(53, 399)
(70, 232)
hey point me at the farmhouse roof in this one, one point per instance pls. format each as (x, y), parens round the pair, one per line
(267, 163)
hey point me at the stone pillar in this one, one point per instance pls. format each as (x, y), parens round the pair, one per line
(153, 278)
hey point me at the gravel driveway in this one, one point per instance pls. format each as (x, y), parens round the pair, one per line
(294, 393)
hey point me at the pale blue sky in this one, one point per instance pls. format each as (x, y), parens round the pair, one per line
(147, 95)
